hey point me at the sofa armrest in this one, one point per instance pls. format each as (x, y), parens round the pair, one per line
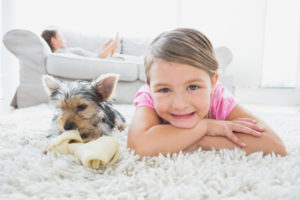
(32, 52)
(224, 57)
(68, 66)
(28, 47)
(134, 46)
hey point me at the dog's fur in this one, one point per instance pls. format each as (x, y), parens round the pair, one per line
(84, 106)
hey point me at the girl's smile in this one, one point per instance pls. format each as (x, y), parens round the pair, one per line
(181, 93)
(183, 116)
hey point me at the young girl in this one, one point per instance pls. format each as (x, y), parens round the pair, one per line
(183, 107)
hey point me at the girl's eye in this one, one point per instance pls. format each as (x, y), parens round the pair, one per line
(164, 90)
(81, 107)
(193, 87)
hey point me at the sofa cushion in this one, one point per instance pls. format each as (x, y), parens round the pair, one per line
(134, 46)
(77, 67)
(90, 42)
(142, 73)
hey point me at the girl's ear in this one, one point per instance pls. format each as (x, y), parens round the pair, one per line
(214, 80)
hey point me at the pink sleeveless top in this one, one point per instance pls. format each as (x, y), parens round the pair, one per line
(221, 101)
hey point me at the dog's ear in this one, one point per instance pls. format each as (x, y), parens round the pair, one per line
(51, 85)
(105, 85)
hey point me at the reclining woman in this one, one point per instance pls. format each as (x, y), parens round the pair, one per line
(56, 42)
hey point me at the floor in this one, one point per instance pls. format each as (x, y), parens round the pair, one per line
(26, 172)
(5, 107)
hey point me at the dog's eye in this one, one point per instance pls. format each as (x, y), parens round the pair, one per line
(81, 107)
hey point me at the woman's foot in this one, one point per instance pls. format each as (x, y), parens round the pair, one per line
(109, 47)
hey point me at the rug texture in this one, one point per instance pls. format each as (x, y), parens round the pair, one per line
(25, 173)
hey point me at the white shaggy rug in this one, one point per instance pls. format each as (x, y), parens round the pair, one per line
(25, 173)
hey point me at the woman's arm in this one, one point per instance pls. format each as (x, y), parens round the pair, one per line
(268, 142)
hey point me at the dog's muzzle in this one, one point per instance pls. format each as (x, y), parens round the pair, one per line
(70, 126)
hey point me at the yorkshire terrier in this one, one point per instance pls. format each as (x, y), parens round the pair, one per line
(84, 106)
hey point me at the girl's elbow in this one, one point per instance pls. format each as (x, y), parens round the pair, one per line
(276, 146)
(268, 143)
(131, 145)
(138, 150)
(138, 143)
(136, 147)
(280, 150)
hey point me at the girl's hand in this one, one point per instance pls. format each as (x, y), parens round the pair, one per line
(227, 129)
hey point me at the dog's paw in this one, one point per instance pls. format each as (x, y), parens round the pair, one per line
(122, 126)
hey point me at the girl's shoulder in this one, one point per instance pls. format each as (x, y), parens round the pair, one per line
(222, 103)
(143, 97)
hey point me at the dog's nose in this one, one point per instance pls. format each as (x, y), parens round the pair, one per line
(69, 126)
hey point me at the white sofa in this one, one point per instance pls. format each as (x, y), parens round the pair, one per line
(36, 59)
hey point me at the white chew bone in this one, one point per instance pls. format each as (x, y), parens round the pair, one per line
(101, 152)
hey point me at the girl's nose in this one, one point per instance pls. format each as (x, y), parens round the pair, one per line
(180, 102)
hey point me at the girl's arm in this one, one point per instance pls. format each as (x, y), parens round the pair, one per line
(268, 142)
(149, 138)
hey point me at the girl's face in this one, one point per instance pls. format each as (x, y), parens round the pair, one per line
(181, 92)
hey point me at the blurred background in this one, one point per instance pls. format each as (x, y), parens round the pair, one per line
(263, 35)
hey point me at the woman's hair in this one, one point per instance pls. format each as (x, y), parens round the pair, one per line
(182, 45)
(47, 35)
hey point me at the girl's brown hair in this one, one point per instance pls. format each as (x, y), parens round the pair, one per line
(182, 45)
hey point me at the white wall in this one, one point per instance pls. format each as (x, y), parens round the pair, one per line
(298, 69)
(1, 59)
(233, 23)
(129, 17)
(240, 25)
(281, 45)
(9, 63)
